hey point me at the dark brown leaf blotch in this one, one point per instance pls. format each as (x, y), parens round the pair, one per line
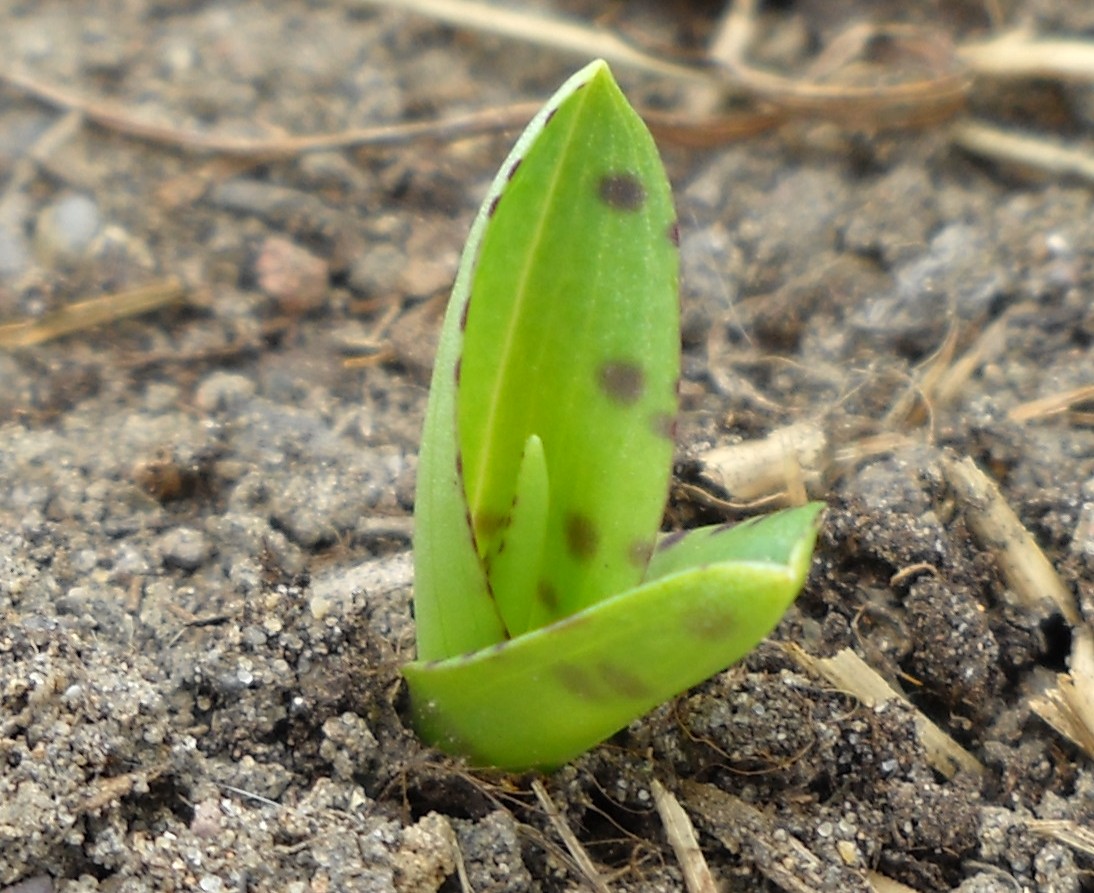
(623, 381)
(622, 192)
(582, 538)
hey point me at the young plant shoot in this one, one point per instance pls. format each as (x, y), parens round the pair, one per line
(549, 614)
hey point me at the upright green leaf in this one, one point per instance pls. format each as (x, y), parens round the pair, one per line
(557, 346)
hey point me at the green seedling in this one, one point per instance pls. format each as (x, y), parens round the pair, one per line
(549, 613)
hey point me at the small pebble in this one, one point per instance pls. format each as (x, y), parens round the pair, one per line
(184, 548)
(294, 277)
(223, 391)
(376, 272)
(39, 884)
(1082, 543)
(848, 852)
(66, 228)
(207, 819)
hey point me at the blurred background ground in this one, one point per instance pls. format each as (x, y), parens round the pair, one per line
(205, 508)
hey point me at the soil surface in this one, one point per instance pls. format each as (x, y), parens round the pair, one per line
(205, 511)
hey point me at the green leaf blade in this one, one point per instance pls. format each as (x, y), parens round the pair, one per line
(766, 538)
(455, 611)
(556, 345)
(514, 568)
(547, 696)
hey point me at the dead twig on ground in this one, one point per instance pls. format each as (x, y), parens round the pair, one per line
(1069, 706)
(1025, 569)
(681, 836)
(81, 315)
(566, 35)
(1023, 150)
(777, 854)
(849, 672)
(941, 78)
(1021, 55)
(826, 92)
(929, 82)
(1053, 404)
(117, 118)
(579, 854)
(787, 463)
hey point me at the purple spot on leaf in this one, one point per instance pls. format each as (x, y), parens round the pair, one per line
(623, 192)
(623, 682)
(670, 539)
(548, 595)
(709, 622)
(577, 681)
(623, 381)
(663, 424)
(582, 537)
(489, 524)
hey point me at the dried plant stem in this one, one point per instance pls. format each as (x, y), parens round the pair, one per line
(934, 97)
(1018, 55)
(544, 30)
(849, 672)
(578, 852)
(117, 118)
(1026, 570)
(1053, 404)
(1069, 706)
(82, 315)
(785, 463)
(885, 100)
(779, 856)
(681, 835)
(1008, 147)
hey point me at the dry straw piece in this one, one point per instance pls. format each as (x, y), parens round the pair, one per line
(849, 672)
(789, 462)
(1025, 569)
(1069, 706)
